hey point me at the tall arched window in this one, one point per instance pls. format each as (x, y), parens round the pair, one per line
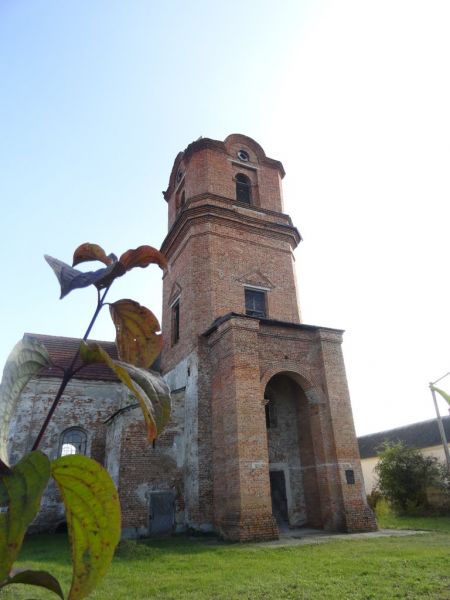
(73, 441)
(243, 188)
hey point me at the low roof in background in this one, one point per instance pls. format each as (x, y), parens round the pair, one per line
(417, 435)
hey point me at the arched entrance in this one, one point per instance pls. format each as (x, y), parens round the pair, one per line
(292, 464)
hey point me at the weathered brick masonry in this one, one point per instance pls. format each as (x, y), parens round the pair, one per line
(222, 243)
(262, 435)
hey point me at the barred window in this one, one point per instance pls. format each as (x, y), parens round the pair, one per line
(255, 303)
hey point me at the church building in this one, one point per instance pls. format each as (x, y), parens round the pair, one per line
(261, 437)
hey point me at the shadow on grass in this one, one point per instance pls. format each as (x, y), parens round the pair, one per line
(55, 548)
(175, 545)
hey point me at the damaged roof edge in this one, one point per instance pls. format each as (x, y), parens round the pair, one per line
(271, 322)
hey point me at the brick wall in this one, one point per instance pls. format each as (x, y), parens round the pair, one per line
(250, 359)
(144, 469)
(242, 504)
(85, 404)
(216, 246)
(210, 167)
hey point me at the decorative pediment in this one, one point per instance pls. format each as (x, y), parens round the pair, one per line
(174, 293)
(257, 279)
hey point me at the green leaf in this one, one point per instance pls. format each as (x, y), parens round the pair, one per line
(93, 519)
(136, 337)
(27, 358)
(442, 393)
(142, 257)
(39, 578)
(149, 388)
(88, 251)
(20, 498)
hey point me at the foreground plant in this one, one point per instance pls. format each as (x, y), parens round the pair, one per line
(89, 495)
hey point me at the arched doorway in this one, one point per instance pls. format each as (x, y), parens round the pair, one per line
(292, 464)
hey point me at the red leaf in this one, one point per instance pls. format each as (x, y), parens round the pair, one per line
(88, 251)
(142, 257)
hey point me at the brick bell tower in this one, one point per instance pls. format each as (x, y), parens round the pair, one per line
(269, 441)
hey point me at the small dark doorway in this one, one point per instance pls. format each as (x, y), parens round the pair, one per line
(279, 498)
(161, 512)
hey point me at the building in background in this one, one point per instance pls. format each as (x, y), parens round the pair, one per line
(423, 436)
(261, 436)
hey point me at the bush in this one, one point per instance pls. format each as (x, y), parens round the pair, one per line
(404, 474)
(374, 498)
(383, 509)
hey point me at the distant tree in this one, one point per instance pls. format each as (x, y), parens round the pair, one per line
(404, 474)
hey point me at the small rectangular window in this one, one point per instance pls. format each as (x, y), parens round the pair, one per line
(255, 303)
(350, 476)
(175, 322)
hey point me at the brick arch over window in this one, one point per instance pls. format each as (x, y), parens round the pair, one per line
(239, 140)
(73, 441)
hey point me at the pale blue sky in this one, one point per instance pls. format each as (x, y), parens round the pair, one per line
(97, 98)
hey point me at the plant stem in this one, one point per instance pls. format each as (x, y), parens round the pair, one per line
(69, 372)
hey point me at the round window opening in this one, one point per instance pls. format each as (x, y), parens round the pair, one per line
(179, 175)
(243, 155)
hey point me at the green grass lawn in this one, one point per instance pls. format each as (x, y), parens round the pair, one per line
(416, 566)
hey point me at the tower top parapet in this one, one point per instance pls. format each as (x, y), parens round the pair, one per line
(237, 146)
(235, 171)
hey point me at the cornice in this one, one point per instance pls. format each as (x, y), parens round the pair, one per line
(323, 332)
(228, 216)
